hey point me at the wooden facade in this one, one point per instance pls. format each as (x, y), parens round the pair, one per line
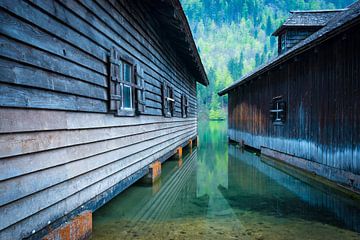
(70, 138)
(303, 107)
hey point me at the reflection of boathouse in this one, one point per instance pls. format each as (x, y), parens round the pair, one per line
(305, 197)
(303, 106)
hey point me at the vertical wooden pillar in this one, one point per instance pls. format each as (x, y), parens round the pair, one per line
(154, 172)
(179, 152)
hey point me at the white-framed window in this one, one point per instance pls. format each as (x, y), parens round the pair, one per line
(278, 110)
(126, 86)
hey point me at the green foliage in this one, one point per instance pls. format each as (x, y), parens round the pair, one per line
(234, 36)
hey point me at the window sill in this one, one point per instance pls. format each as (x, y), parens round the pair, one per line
(125, 113)
(278, 123)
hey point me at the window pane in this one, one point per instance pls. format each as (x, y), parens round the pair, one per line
(127, 97)
(127, 72)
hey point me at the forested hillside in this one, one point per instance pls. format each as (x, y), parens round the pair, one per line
(234, 36)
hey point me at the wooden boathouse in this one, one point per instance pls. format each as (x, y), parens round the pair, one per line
(91, 94)
(303, 107)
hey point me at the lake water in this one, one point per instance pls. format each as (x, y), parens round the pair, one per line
(219, 191)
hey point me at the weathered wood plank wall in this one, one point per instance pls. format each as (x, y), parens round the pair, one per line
(59, 147)
(295, 36)
(322, 90)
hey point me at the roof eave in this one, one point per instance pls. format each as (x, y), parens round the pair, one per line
(202, 74)
(295, 51)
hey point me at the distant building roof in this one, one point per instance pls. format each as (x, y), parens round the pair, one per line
(311, 18)
(335, 26)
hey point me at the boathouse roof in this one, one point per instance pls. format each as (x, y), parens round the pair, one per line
(174, 26)
(337, 24)
(305, 19)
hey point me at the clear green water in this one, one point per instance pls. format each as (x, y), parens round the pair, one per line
(219, 191)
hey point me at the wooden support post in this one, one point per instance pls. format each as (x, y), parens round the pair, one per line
(190, 144)
(179, 152)
(154, 172)
(80, 227)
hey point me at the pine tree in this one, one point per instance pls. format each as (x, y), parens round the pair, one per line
(269, 27)
(257, 60)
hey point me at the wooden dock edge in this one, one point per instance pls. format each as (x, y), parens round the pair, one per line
(340, 180)
(60, 225)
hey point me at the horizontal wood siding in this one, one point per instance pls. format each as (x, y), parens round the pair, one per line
(59, 146)
(55, 55)
(322, 90)
(293, 37)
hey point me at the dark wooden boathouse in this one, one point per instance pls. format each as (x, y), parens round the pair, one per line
(303, 107)
(91, 94)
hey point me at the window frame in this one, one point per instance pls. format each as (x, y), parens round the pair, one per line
(168, 99)
(278, 111)
(128, 112)
(184, 106)
(117, 84)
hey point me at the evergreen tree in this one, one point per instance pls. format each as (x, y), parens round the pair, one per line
(269, 27)
(257, 60)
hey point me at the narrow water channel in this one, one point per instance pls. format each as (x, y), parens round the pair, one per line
(219, 191)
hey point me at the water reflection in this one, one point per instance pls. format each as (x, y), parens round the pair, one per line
(218, 191)
(283, 195)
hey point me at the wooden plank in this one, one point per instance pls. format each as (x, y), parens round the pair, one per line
(17, 96)
(16, 28)
(153, 104)
(145, 23)
(45, 22)
(45, 120)
(72, 16)
(25, 75)
(25, 143)
(153, 111)
(143, 36)
(19, 165)
(37, 221)
(26, 54)
(21, 186)
(127, 43)
(108, 21)
(14, 213)
(153, 97)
